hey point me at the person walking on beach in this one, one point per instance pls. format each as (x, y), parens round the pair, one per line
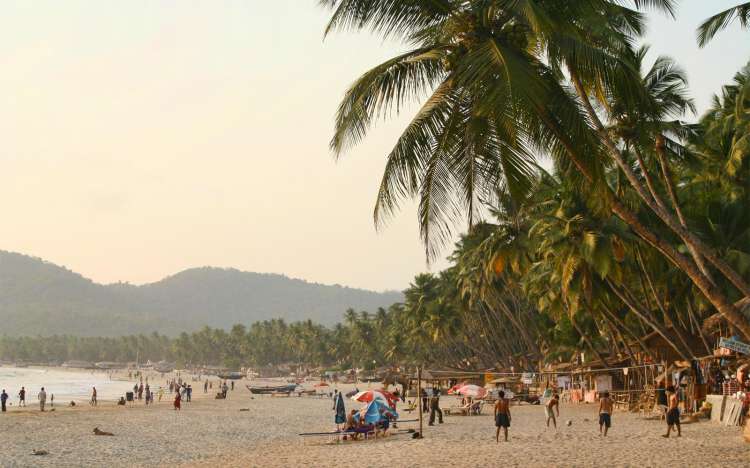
(148, 394)
(42, 398)
(205, 386)
(605, 413)
(93, 397)
(553, 403)
(177, 401)
(423, 394)
(189, 391)
(435, 407)
(502, 416)
(224, 390)
(22, 397)
(52, 400)
(3, 399)
(140, 391)
(673, 413)
(161, 393)
(232, 385)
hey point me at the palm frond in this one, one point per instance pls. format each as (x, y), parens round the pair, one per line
(709, 28)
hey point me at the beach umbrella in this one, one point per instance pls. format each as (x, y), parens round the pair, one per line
(340, 409)
(377, 410)
(474, 391)
(454, 389)
(372, 395)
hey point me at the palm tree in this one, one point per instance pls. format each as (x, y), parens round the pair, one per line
(492, 72)
(709, 28)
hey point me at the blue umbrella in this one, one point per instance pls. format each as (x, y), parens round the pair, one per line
(377, 411)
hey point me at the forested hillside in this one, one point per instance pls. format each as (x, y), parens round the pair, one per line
(40, 298)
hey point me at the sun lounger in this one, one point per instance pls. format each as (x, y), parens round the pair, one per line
(463, 410)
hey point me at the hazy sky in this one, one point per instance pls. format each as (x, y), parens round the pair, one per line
(140, 138)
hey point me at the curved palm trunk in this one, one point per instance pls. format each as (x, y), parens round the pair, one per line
(669, 318)
(693, 243)
(657, 198)
(531, 345)
(667, 176)
(621, 326)
(710, 291)
(588, 341)
(698, 327)
(627, 298)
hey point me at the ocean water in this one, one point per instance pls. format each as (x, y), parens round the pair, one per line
(66, 385)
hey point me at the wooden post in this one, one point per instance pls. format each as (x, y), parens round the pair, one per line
(419, 397)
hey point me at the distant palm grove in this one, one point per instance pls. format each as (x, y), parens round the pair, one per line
(636, 227)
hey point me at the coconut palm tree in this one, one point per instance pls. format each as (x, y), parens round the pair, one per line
(492, 73)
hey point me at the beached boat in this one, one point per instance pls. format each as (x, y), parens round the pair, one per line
(73, 364)
(109, 365)
(164, 367)
(231, 375)
(270, 389)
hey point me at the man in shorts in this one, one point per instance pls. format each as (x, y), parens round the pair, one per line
(552, 404)
(502, 416)
(673, 413)
(605, 413)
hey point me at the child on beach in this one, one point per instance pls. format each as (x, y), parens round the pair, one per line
(673, 414)
(502, 416)
(605, 413)
(177, 401)
(553, 403)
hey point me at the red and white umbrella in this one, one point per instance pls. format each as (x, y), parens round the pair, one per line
(369, 395)
(474, 391)
(454, 389)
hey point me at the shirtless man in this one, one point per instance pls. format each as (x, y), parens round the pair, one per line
(605, 413)
(553, 403)
(673, 413)
(502, 416)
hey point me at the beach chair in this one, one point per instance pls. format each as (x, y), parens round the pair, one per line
(622, 401)
(411, 407)
(464, 410)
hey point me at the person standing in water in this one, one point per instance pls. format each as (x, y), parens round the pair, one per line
(673, 413)
(22, 397)
(605, 413)
(42, 398)
(502, 416)
(552, 404)
(3, 399)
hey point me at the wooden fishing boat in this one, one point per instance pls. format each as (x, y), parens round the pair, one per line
(231, 375)
(270, 389)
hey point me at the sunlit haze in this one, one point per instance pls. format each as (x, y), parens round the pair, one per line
(140, 138)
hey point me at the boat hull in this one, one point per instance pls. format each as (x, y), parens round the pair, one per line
(268, 390)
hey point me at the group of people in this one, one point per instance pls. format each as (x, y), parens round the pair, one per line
(606, 407)
(41, 397)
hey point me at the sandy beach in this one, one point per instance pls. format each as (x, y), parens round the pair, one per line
(209, 432)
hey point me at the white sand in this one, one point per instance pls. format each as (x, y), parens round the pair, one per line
(211, 432)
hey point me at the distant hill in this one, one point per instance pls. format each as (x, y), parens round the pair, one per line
(40, 298)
